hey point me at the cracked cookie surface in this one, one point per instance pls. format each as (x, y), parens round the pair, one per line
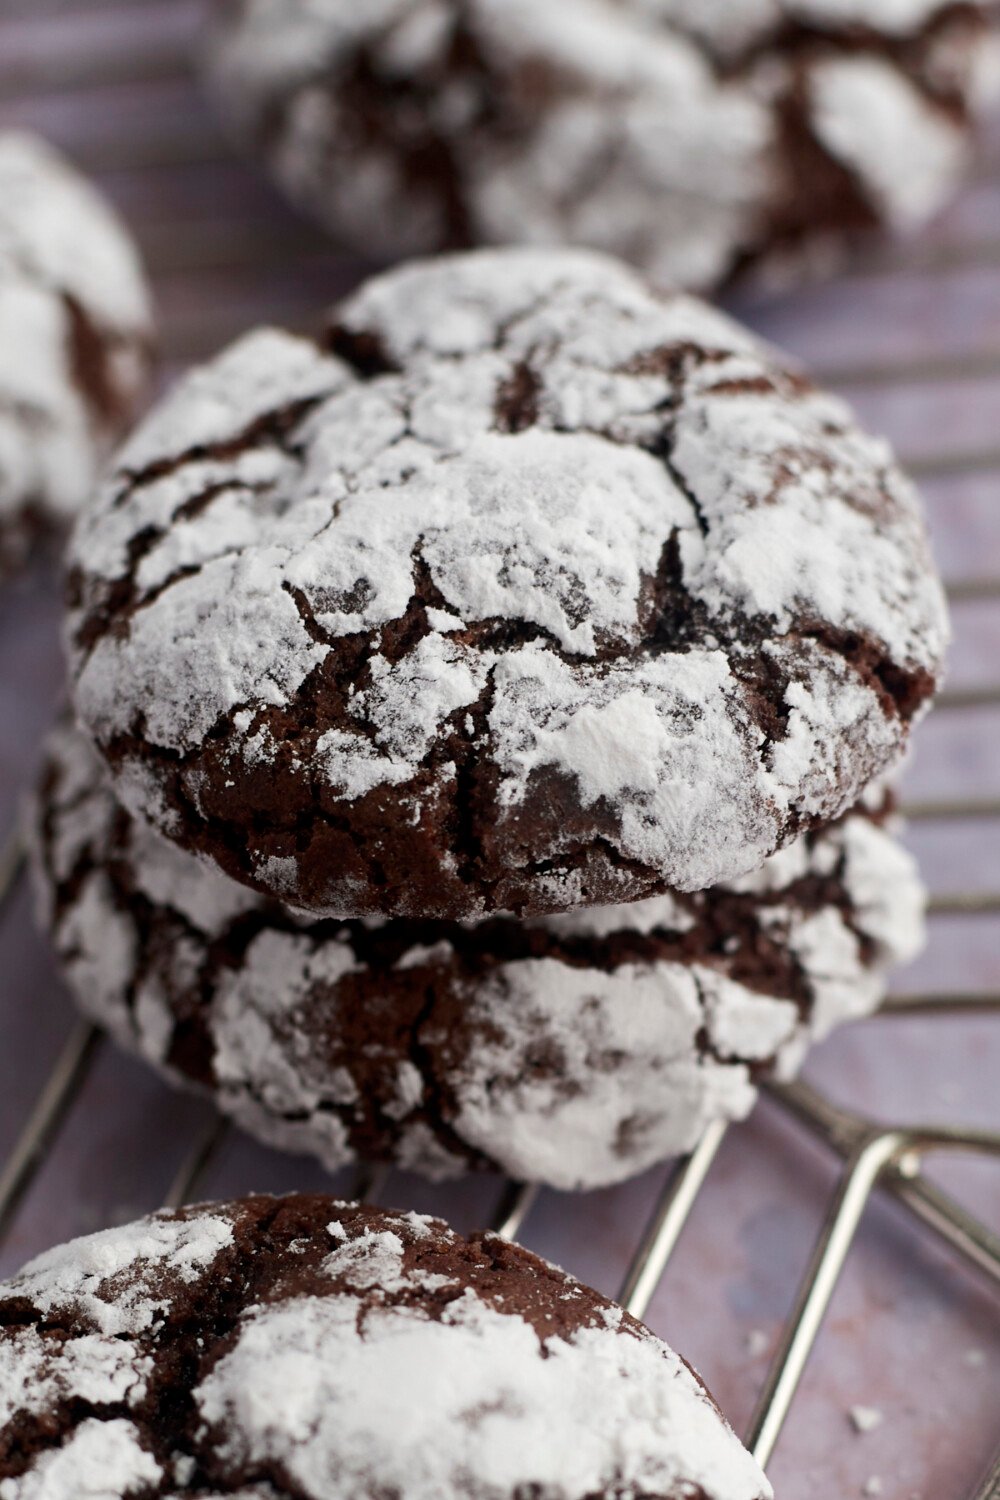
(519, 588)
(692, 137)
(575, 1050)
(75, 341)
(294, 1348)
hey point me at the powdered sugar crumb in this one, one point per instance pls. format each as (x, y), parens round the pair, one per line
(866, 1418)
(757, 1343)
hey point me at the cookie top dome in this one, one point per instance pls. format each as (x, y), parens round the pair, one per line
(303, 1347)
(520, 587)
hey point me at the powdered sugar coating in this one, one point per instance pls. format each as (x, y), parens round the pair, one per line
(75, 335)
(336, 1348)
(488, 1406)
(153, 1252)
(574, 1050)
(688, 136)
(549, 591)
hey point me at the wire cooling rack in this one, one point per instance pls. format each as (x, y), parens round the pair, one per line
(912, 335)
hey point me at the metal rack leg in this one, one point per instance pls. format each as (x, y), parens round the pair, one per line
(11, 866)
(668, 1220)
(871, 1159)
(51, 1107)
(194, 1166)
(516, 1203)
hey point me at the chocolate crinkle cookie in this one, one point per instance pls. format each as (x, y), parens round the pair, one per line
(574, 1050)
(519, 587)
(693, 137)
(298, 1348)
(75, 341)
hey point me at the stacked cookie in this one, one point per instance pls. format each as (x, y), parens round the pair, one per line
(492, 690)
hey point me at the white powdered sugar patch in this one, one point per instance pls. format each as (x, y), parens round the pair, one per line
(279, 506)
(656, 129)
(663, 740)
(37, 1373)
(86, 1275)
(373, 1262)
(904, 150)
(574, 1068)
(897, 17)
(63, 256)
(102, 1460)
(465, 1404)
(632, 1085)
(265, 370)
(633, 916)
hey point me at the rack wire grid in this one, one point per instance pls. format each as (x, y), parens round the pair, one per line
(811, 1224)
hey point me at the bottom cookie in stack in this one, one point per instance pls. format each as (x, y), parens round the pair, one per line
(301, 1347)
(574, 1050)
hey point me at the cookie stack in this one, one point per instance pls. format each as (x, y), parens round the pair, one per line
(493, 691)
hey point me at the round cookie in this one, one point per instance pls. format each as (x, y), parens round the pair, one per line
(299, 1348)
(520, 587)
(574, 1050)
(75, 341)
(691, 137)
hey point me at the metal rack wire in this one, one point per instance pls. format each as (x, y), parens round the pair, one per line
(55, 54)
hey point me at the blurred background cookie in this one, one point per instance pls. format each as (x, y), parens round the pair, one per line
(574, 1050)
(693, 137)
(301, 1346)
(75, 341)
